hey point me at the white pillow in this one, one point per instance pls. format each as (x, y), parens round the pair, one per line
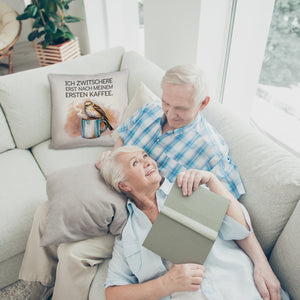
(87, 108)
(142, 96)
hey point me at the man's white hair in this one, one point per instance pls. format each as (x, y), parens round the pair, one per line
(112, 170)
(188, 74)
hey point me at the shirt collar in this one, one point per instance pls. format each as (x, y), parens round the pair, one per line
(186, 128)
(161, 195)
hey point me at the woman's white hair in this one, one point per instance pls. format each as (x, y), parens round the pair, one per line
(112, 170)
(188, 74)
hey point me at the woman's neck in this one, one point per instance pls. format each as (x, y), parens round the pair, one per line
(146, 202)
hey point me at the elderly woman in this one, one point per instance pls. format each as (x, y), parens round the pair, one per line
(137, 273)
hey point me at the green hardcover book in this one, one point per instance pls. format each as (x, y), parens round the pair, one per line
(187, 227)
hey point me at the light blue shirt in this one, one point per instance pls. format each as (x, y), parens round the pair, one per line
(195, 146)
(229, 271)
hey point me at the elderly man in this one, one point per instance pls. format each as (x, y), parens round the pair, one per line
(141, 274)
(176, 135)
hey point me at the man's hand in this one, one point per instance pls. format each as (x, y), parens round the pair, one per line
(189, 180)
(266, 282)
(100, 160)
(183, 277)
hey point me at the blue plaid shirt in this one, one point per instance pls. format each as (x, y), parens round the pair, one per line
(195, 146)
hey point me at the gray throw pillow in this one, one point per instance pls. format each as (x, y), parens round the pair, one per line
(81, 206)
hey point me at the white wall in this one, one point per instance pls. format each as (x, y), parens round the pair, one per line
(96, 32)
(192, 31)
(123, 23)
(171, 31)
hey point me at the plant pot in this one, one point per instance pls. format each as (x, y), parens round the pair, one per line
(57, 53)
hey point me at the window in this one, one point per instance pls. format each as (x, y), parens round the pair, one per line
(276, 108)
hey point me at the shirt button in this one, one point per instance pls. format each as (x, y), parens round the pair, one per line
(157, 140)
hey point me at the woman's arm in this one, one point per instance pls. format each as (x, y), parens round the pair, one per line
(184, 277)
(264, 277)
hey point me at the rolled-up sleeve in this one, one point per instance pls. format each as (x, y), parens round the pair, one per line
(233, 230)
(119, 272)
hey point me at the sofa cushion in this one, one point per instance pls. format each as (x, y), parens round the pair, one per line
(6, 141)
(87, 108)
(270, 174)
(141, 69)
(285, 255)
(29, 91)
(82, 206)
(97, 290)
(142, 96)
(51, 160)
(23, 187)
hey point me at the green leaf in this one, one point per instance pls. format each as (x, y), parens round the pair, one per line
(33, 35)
(27, 8)
(42, 4)
(56, 17)
(71, 19)
(50, 27)
(37, 23)
(32, 11)
(48, 37)
(41, 33)
(70, 35)
(50, 6)
(23, 16)
(60, 5)
(64, 28)
(45, 44)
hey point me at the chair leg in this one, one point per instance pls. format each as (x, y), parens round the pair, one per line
(10, 63)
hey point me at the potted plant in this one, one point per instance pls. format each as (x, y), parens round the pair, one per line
(49, 25)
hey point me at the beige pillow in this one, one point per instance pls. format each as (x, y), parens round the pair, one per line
(142, 96)
(82, 206)
(87, 108)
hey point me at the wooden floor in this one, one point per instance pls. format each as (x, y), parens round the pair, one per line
(23, 58)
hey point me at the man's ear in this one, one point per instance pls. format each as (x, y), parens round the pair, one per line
(124, 187)
(204, 103)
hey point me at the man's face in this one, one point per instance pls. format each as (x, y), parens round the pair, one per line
(140, 170)
(179, 105)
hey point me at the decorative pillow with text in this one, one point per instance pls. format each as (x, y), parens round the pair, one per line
(87, 108)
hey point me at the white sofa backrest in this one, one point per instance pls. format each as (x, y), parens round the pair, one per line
(141, 69)
(270, 174)
(6, 141)
(29, 92)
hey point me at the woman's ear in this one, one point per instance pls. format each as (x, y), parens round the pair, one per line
(124, 187)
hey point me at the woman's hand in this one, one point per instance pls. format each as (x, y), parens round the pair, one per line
(189, 180)
(183, 277)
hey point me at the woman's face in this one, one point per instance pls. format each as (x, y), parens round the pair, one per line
(140, 170)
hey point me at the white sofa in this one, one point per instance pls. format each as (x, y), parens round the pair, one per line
(270, 174)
